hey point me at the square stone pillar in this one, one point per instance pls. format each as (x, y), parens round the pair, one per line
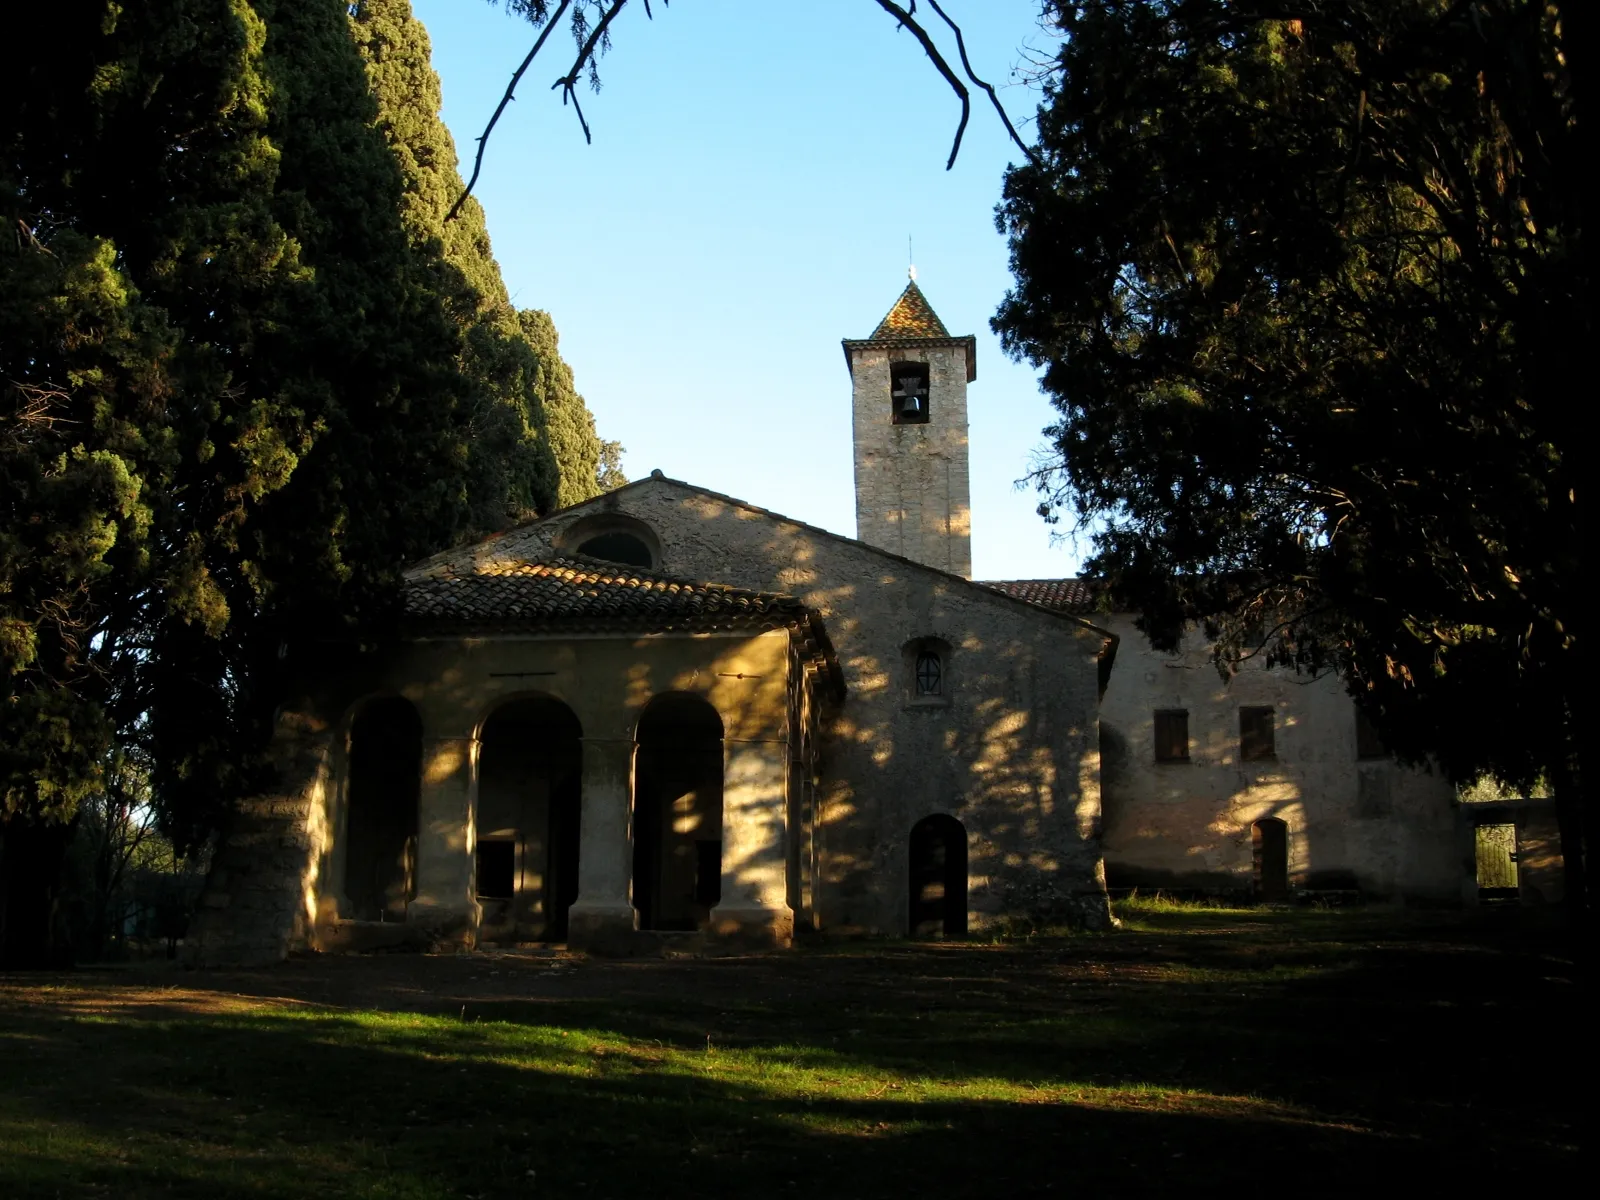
(602, 917)
(755, 906)
(445, 905)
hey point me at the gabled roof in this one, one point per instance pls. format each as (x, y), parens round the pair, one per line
(911, 317)
(570, 592)
(510, 548)
(579, 595)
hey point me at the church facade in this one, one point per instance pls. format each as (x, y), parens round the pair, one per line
(667, 717)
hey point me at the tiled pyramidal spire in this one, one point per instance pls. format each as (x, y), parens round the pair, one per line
(911, 317)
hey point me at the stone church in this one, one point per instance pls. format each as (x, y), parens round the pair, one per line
(668, 717)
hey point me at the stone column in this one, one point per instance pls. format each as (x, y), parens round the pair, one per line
(754, 907)
(602, 917)
(445, 905)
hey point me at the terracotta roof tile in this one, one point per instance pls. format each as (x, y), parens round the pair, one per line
(574, 595)
(911, 317)
(1058, 595)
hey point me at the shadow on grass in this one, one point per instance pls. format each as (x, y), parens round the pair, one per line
(1154, 1060)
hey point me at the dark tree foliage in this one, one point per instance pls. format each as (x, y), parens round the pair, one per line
(533, 445)
(242, 384)
(1306, 281)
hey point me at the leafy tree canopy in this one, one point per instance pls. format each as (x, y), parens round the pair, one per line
(1307, 285)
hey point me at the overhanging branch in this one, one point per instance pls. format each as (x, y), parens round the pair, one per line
(907, 21)
(966, 64)
(511, 88)
(568, 82)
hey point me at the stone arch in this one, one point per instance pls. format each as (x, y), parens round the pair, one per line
(1269, 843)
(938, 876)
(382, 792)
(613, 537)
(526, 822)
(677, 813)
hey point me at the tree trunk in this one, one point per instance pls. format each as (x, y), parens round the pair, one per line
(1571, 820)
(32, 935)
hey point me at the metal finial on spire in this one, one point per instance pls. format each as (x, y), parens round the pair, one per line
(911, 261)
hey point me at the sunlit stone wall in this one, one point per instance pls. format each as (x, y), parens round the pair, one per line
(1012, 752)
(1354, 823)
(912, 485)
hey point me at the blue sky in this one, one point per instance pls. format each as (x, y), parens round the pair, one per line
(757, 167)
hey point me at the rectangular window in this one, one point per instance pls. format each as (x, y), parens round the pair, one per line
(1172, 735)
(1256, 734)
(497, 870)
(1368, 743)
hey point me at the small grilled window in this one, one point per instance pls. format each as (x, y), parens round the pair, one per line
(909, 393)
(1368, 743)
(930, 674)
(1172, 735)
(1256, 734)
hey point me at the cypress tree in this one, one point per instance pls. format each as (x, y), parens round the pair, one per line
(534, 446)
(248, 375)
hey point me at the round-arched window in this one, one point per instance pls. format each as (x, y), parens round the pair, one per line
(930, 673)
(618, 547)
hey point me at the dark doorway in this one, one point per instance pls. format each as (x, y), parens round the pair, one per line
(1269, 839)
(530, 793)
(677, 813)
(938, 877)
(385, 781)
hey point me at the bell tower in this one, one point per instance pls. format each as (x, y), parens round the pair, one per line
(910, 401)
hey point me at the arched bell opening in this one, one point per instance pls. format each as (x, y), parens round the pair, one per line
(938, 870)
(383, 791)
(677, 813)
(530, 795)
(1269, 841)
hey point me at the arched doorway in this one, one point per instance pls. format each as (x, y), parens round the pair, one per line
(530, 794)
(677, 813)
(938, 877)
(381, 797)
(1269, 840)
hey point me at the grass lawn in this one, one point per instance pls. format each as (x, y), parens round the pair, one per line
(1253, 1051)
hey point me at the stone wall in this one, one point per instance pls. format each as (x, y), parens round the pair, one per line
(912, 486)
(1012, 752)
(1366, 824)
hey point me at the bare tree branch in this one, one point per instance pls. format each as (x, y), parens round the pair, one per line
(597, 39)
(966, 63)
(483, 138)
(568, 82)
(907, 21)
